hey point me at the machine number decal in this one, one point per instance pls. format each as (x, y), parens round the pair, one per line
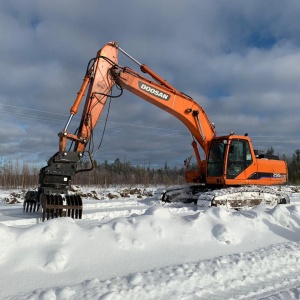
(277, 175)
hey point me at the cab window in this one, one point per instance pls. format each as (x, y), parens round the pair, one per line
(216, 158)
(239, 158)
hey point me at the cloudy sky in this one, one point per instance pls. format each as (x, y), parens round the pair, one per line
(240, 60)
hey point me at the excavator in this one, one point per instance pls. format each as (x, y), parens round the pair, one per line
(230, 173)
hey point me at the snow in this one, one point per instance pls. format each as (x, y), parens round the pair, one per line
(137, 247)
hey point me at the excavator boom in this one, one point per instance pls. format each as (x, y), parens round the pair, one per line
(184, 108)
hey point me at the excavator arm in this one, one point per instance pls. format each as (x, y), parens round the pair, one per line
(55, 179)
(99, 84)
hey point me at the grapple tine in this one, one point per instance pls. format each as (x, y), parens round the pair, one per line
(57, 204)
(70, 210)
(80, 211)
(73, 210)
(79, 204)
(68, 203)
(61, 210)
(27, 207)
(51, 202)
(76, 210)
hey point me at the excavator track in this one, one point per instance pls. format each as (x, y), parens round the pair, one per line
(243, 197)
(231, 197)
(184, 194)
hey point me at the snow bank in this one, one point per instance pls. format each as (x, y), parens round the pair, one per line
(153, 255)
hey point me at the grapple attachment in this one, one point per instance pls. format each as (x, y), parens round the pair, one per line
(56, 205)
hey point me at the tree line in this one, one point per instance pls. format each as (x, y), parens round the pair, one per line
(17, 174)
(125, 173)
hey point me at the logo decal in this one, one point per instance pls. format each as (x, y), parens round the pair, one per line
(153, 91)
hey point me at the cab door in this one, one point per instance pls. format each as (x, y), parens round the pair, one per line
(239, 159)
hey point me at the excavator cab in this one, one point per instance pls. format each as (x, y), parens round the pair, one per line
(232, 161)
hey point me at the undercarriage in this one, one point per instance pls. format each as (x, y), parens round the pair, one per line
(230, 197)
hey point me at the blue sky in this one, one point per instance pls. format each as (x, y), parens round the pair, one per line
(239, 60)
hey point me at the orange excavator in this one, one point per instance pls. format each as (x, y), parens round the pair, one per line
(231, 173)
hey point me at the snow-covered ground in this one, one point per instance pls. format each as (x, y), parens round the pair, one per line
(137, 247)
